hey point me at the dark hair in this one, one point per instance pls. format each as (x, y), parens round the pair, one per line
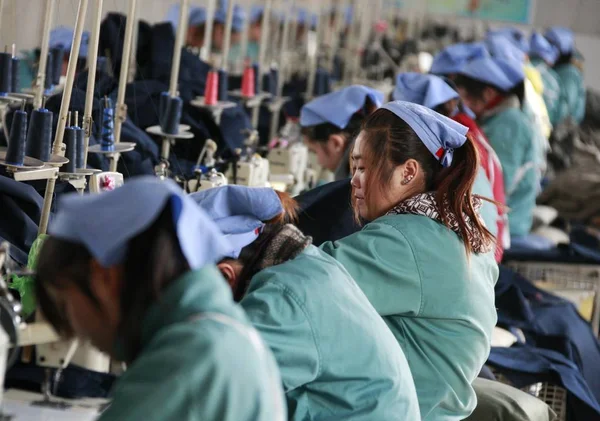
(475, 88)
(154, 259)
(320, 133)
(392, 142)
(253, 254)
(564, 59)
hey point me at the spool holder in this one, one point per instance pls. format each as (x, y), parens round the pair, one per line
(251, 102)
(216, 110)
(168, 138)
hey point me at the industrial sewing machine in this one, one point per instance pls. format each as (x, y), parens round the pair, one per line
(207, 177)
(52, 353)
(288, 158)
(248, 167)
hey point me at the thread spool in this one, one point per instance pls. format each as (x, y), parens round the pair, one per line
(257, 87)
(15, 78)
(5, 72)
(162, 106)
(248, 83)
(15, 154)
(79, 143)
(172, 116)
(58, 56)
(107, 142)
(49, 80)
(39, 136)
(211, 91)
(273, 81)
(322, 82)
(70, 140)
(223, 85)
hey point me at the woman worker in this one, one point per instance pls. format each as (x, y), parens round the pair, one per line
(142, 286)
(492, 88)
(338, 360)
(572, 88)
(543, 55)
(425, 260)
(330, 121)
(438, 95)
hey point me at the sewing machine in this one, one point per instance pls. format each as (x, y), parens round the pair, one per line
(249, 169)
(288, 159)
(52, 353)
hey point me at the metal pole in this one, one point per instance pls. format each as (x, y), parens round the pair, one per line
(64, 111)
(179, 40)
(340, 20)
(91, 83)
(246, 30)
(227, 40)
(45, 48)
(284, 43)
(313, 56)
(264, 37)
(1, 14)
(121, 107)
(205, 52)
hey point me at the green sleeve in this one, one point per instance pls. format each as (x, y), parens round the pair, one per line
(513, 143)
(183, 375)
(383, 263)
(281, 318)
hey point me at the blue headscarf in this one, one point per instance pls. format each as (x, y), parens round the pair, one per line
(105, 223)
(440, 134)
(427, 90)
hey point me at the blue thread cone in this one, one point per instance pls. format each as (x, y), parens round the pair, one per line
(15, 80)
(223, 85)
(107, 142)
(162, 107)
(39, 136)
(70, 140)
(5, 73)
(80, 145)
(15, 154)
(172, 116)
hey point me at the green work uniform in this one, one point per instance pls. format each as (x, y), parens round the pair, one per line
(572, 93)
(200, 360)
(338, 359)
(438, 302)
(509, 131)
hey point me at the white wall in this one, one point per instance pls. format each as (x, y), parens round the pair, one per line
(21, 21)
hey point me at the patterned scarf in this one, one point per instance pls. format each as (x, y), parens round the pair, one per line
(288, 243)
(425, 204)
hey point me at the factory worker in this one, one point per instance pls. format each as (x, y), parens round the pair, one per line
(338, 359)
(453, 58)
(196, 27)
(435, 93)
(572, 88)
(543, 55)
(330, 121)
(487, 87)
(137, 277)
(254, 31)
(61, 38)
(533, 102)
(425, 260)
(516, 36)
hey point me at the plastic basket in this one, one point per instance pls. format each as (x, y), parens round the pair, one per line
(565, 276)
(554, 396)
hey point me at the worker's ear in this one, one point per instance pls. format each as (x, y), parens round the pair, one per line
(230, 272)
(337, 142)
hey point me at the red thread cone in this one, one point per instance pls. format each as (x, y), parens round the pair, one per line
(248, 83)
(211, 92)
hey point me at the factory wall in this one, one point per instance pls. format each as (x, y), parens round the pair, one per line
(21, 22)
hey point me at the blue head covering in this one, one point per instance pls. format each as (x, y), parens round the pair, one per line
(239, 16)
(501, 46)
(515, 36)
(513, 70)
(256, 13)
(488, 71)
(239, 212)
(62, 37)
(427, 90)
(541, 47)
(440, 134)
(452, 58)
(561, 38)
(105, 223)
(304, 17)
(338, 107)
(197, 16)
